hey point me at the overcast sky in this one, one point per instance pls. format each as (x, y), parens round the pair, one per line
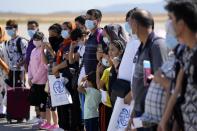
(48, 6)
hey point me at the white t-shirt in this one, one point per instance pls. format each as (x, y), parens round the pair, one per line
(126, 65)
(81, 51)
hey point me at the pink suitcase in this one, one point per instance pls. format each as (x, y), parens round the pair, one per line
(18, 106)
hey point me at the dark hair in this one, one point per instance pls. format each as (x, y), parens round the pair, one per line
(118, 44)
(68, 24)
(81, 19)
(143, 17)
(76, 34)
(38, 35)
(91, 77)
(116, 32)
(129, 13)
(95, 13)
(12, 23)
(185, 10)
(33, 22)
(56, 28)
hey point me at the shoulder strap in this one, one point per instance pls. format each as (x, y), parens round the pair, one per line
(150, 52)
(18, 45)
(98, 35)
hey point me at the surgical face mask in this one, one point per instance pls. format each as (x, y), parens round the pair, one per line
(89, 24)
(31, 33)
(128, 28)
(11, 32)
(171, 41)
(65, 34)
(106, 40)
(105, 62)
(37, 43)
(170, 28)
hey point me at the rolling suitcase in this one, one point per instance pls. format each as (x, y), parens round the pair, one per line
(18, 107)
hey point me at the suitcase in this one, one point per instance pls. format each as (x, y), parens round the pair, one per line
(18, 106)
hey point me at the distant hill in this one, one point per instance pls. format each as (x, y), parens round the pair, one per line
(155, 8)
(113, 13)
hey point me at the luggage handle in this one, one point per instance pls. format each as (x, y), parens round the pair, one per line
(14, 80)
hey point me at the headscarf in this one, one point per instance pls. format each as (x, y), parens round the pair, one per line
(116, 32)
(3, 34)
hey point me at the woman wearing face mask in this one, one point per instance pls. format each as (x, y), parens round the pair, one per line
(37, 74)
(3, 70)
(108, 77)
(66, 113)
(78, 40)
(55, 38)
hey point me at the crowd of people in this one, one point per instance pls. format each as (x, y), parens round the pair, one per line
(158, 74)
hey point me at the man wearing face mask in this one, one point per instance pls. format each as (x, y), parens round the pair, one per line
(32, 27)
(93, 19)
(152, 48)
(16, 48)
(183, 15)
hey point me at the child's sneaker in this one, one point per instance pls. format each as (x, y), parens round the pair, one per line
(53, 127)
(39, 124)
(45, 126)
(33, 121)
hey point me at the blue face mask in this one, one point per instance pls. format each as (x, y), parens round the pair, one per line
(128, 28)
(65, 34)
(89, 24)
(31, 33)
(10, 32)
(171, 41)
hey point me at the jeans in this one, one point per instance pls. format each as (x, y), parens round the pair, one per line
(92, 124)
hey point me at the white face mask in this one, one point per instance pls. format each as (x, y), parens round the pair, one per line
(105, 62)
(11, 32)
(65, 34)
(37, 43)
(170, 28)
(31, 33)
(128, 28)
(171, 40)
(106, 40)
(90, 24)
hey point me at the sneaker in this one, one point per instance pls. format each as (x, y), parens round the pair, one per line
(33, 121)
(53, 127)
(39, 124)
(45, 126)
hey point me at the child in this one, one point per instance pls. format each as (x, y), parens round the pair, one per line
(37, 75)
(92, 101)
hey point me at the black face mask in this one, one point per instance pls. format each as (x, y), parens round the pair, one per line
(55, 42)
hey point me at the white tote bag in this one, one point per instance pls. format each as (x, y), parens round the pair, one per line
(59, 94)
(120, 116)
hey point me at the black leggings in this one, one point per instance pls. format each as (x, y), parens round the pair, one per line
(38, 97)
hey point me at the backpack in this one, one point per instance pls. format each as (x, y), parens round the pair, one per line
(98, 35)
(18, 44)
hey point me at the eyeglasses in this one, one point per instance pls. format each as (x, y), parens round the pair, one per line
(9, 27)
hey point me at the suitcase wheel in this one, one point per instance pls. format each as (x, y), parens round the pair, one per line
(19, 120)
(9, 121)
